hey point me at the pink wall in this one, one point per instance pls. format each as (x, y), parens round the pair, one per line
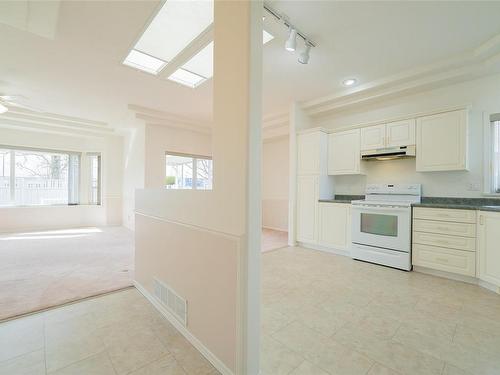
(201, 266)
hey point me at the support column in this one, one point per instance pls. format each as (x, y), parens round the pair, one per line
(237, 144)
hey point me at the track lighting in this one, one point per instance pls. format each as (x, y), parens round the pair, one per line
(304, 56)
(291, 42)
(293, 33)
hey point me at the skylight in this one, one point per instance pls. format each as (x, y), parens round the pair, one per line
(201, 66)
(175, 26)
(266, 37)
(187, 78)
(144, 62)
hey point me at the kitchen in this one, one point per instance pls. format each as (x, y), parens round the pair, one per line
(408, 183)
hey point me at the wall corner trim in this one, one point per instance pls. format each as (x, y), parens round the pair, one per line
(216, 362)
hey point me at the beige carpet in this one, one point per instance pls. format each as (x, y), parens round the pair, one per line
(273, 239)
(44, 269)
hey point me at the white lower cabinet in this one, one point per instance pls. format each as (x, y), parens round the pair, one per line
(334, 220)
(307, 206)
(445, 240)
(445, 259)
(489, 247)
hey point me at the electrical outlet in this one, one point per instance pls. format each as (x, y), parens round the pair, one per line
(474, 186)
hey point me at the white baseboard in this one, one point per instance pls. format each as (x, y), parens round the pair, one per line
(325, 249)
(216, 362)
(487, 285)
(456, 277)
(275, 228)
(446, 275)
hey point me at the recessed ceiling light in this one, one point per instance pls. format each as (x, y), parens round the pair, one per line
(349, 81)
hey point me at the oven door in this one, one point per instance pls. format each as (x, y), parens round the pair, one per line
(384, 227)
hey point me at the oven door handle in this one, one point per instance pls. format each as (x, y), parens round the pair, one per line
(380, 208)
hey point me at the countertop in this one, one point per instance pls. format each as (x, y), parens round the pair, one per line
(480, 204)
(339, 198)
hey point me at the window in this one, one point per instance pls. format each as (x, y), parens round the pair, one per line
(188, 172)
(95, 178)
(495, 154)
(31, 177)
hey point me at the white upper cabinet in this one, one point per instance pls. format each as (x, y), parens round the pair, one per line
(373, 137)
(442, 142)
(312, 152)
(308, 153)
(489, 250)
(400, 133)
(344, 153)
(393, 134)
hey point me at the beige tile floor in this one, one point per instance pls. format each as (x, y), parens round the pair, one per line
(322, 314)
(120, 333)
(327, 314)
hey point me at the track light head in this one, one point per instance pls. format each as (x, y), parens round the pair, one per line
(291, 42)
(304, 56)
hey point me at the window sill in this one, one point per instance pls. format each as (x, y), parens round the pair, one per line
(54, 206)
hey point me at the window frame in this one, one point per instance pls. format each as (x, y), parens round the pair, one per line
(89, 156)
(12, 176)
(489, 162)
(194, 159)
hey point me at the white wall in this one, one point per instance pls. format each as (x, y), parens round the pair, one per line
(275, 183)
(160, 139)
(109, 213)
(482, 95)
(133, 171)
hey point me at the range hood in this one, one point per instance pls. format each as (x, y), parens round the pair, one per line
(389, 153)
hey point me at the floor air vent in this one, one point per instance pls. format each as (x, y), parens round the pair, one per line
(176, 305)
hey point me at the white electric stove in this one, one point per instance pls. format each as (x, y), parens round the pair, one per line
(381, 224)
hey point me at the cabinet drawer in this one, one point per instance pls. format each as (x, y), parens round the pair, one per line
(444, 214)
(443, 227)
(438, 258)
(452, 242)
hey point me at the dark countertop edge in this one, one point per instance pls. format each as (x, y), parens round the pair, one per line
(348, 201)
(430, 205)
(458, 206)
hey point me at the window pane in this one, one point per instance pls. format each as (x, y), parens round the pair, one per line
(179, 172)
(95, 179)
(204, 174)
(383, 225)
(495, 154)
(41, 178)
(5, 177)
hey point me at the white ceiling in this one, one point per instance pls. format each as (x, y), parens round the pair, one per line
(79, 72)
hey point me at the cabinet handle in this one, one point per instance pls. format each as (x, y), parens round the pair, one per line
(481, 220)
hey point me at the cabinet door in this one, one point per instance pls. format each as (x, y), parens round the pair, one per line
(334, 225)
(307, 203)
(343, 153)
(308, 153)
(400, 133)
(442, 142)
(373, 137)
(488, 247)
